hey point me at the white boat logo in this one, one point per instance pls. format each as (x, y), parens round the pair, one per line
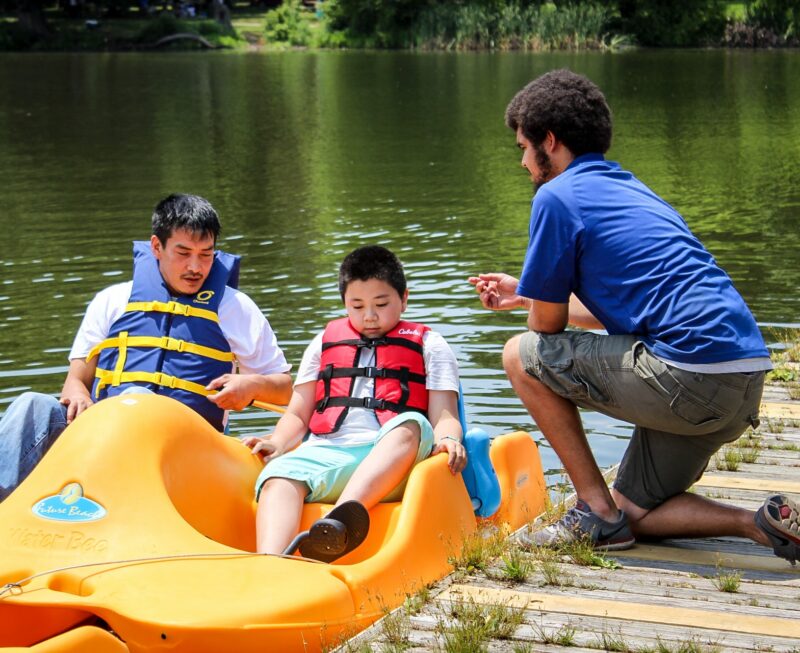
(69, 505)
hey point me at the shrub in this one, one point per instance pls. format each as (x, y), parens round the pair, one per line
(669, 23)
(288, 24)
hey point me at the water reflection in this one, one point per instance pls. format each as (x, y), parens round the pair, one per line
(308, 155)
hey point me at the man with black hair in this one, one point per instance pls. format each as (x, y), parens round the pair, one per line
(176, 329)
(683, 360)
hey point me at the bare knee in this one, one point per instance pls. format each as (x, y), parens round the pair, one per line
(512, 363)
(407, 434)
(282, 489)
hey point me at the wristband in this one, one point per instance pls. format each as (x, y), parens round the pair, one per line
(449, 437)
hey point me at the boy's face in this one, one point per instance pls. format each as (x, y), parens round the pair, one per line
(373, 306)
(184, 260)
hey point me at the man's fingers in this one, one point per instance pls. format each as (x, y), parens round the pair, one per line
(219, 382)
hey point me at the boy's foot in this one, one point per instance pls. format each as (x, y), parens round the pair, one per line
(779, 519)
(580, 522)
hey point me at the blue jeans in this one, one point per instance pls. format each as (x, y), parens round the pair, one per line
(27, 430)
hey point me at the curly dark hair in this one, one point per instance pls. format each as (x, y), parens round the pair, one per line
(372, 262)
(567, 104)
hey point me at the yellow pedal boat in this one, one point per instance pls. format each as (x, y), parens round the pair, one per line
(136, 532)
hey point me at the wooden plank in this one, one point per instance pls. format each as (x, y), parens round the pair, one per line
(779, 409)
(626, 610)
(749, 483)
(710, 558)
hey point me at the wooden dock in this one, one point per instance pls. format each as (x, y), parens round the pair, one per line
(688, 596)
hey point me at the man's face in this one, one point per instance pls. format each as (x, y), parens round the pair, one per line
(373, 306)
(535, 160)
(184, 260)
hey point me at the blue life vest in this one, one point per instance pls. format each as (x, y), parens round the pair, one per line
(173, 346)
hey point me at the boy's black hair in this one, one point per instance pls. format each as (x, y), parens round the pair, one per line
(567, 104)
(190, 212)
(372, 262)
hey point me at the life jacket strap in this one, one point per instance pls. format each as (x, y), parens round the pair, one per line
(108, 377)
(172, 307)
(370, 403)
(162, 342)
(331, 372)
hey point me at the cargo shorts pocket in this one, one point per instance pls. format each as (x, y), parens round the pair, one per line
(693, 410)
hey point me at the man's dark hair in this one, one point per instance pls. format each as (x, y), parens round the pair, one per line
(189, 212)
(567, 104)
(372, 262)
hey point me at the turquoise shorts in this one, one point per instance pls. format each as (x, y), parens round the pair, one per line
(326, 469)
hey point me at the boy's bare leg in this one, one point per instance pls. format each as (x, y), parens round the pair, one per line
(385, 467)
(560, 423)
(280, 508)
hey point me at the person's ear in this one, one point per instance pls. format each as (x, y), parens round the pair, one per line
(405, 299)
(156, 247)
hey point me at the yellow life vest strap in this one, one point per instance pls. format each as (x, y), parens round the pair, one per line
(163, 342)
(108, 377)
(172, 307)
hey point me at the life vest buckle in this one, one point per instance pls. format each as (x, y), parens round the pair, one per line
(173, 344)
(374, 372)
(177, 308)
(374, 404)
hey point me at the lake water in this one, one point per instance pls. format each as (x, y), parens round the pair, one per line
(308, 155)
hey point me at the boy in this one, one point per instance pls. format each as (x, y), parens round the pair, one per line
(363, 390)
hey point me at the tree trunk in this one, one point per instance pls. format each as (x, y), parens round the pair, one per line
(31, 17)
(222, 14)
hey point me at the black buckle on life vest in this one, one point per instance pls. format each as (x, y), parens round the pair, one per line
(374, 404)
(376, 342)
(375, 373)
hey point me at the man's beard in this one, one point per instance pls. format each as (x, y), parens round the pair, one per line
(545, 166)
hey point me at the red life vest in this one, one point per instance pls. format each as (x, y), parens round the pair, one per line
(399, 374)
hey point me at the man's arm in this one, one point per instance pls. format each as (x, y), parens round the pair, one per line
(76, 393)
(549, 317)
(237, 391)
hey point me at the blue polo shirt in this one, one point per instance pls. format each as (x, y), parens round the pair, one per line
(598, 232)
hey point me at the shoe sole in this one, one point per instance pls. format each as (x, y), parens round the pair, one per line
(779, 528)
(615, 546)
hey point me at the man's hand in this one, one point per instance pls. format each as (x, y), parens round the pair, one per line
(498, 291)
(77, 386)
(76, 403)
(456, 454)
(236, 391)
(263, 447)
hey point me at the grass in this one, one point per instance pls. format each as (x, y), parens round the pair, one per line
(727, 581)
(471, 626)
(563, 636)
(728, 461)
(414, 603)
(395, 628)
(479, 550)
(516, 566)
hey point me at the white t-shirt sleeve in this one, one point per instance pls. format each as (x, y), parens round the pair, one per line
(441, 365)
(105, 309)
(250, 335)
(309, 364)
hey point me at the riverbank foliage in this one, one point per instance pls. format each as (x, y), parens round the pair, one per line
(410, 24)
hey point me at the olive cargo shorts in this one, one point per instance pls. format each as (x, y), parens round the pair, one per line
(681, 418)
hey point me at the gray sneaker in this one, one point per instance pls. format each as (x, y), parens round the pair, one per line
(580, 522)
(779, 519)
